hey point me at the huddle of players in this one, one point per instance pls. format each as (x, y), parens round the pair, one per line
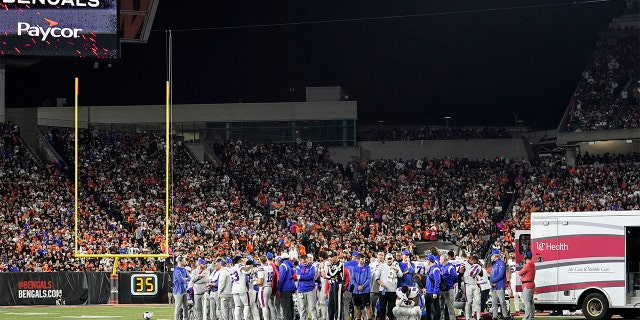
(426, 289)
(244, 289)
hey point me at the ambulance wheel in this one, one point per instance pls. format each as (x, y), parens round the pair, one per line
(596, 307)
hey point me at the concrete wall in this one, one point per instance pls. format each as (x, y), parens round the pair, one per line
(472, 149)
(323, 93)
(236, 112)
(197, 150)
(344, 154)
(25, 118)
(613, 147)
(538, 136)
(599, 135)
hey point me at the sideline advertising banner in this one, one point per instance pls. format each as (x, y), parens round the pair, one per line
(78, 288)
(74, 288)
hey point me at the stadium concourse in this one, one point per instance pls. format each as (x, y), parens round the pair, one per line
(278, 198)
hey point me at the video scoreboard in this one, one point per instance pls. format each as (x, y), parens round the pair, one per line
(59, 28)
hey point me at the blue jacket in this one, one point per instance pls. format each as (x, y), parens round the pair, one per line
(449, 275)
(407, 278)
(350, 265)
(285, 276)
(361, 276)
(306, 277)
(179, 282)
(498, 275)
(433, 280)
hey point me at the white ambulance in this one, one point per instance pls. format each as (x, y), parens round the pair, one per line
(588, 261)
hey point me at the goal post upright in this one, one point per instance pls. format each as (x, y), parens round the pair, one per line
(168, 147)
(168, 144)
(75, 163)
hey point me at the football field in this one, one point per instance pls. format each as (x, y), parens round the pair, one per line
(116, 312)
(106, 312)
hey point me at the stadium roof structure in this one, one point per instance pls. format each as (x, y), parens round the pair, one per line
(136, 19)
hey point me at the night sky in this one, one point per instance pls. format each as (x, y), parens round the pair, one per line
(478, 65)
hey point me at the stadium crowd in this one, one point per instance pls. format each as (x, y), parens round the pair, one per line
(279, 198)
(292, 198)
(606, 97)
(35, 211)
(604, 183)
(387, 133)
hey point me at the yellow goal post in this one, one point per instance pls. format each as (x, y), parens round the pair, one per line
(167, 189)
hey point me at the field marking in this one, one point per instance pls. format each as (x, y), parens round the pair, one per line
(29, 313)
(91, 317)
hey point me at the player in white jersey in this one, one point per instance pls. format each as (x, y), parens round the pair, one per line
(238, 274)
(514, 282)
(407, 306)
(323, 311)
(374, 288)
(263, 281)
(318, 266)
(253, 289)
(471, 270)
(214, 298)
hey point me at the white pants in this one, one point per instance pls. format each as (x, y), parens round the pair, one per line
(307, 305)
(473, 299)
(205, 310)
(214, 306)
(323, 305)
(198, 304)
(226, 307)
(517, 296)
(241, 306)
(253, 305)
(265, 302)
(407, 313)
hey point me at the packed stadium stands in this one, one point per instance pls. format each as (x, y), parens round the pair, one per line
(609, 182)
(606, 97)
(278, 197)
(293, 198)
(400, 133)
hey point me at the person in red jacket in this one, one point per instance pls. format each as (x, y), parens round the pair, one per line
(527, 276)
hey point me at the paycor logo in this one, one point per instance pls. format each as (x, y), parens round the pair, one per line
(52, 30)
(62, 3)
(545, 246)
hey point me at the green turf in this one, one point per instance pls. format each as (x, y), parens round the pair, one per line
(117, 312)
(101, 312)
